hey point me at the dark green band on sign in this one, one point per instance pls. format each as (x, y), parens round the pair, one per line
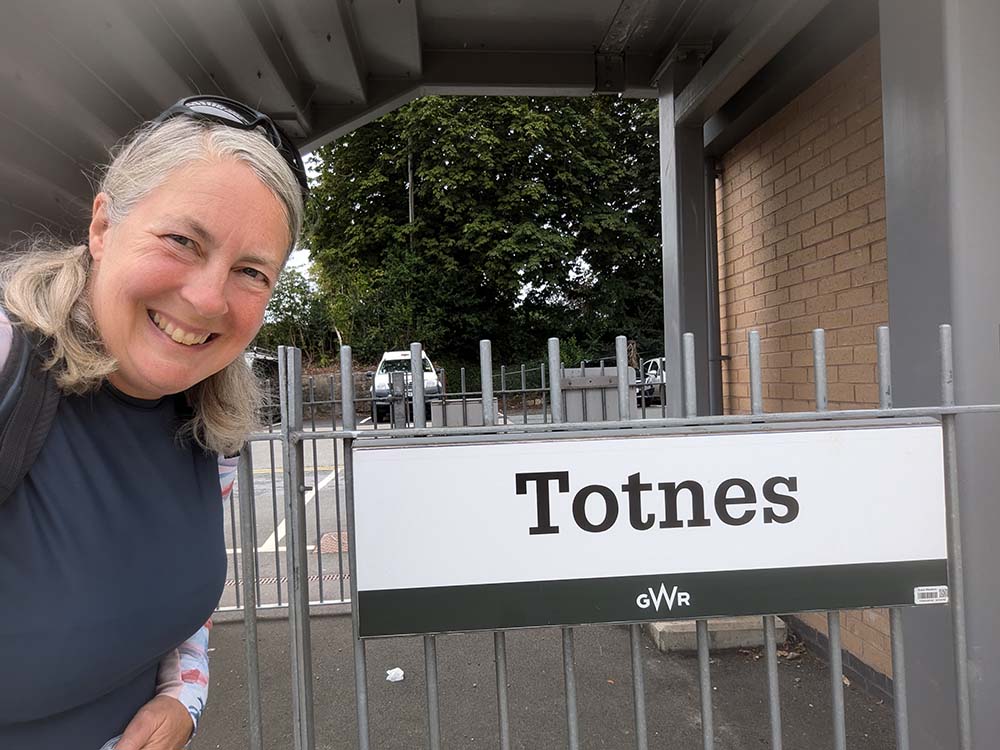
(608, 600)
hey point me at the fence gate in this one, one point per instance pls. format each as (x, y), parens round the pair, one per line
(690, 516)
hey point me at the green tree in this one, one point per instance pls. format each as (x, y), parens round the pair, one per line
(534, 217)
(299, 315)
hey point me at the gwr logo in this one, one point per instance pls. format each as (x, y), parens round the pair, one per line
(655, 598)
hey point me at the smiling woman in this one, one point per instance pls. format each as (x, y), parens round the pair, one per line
(142, 330)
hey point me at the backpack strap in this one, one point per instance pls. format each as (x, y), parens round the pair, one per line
(28, 401)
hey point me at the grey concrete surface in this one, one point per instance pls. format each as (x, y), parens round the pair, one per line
(468, 694)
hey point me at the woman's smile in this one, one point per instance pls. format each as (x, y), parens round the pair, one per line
(180, 333)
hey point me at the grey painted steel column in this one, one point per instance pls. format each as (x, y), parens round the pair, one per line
(683, 225)
(941, 105)
(349, 422)
(713, 324)
(296, 563)
(248, 547)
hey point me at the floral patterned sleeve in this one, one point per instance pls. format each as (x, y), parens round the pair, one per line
(183, 672)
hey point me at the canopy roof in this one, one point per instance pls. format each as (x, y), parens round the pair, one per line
(78, 76)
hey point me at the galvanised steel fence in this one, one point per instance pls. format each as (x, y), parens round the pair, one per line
(298, 557)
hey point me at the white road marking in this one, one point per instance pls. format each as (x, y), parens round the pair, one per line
(279, 533)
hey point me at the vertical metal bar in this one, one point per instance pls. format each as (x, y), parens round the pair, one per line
(315, 484)
(756, 387)
(236, 562)
(956, 571)
(836, 656)
(297, 561)
(503, 710)
(583, 392)
(499, 637)
(360, 665)
(433, 703)
(569, 670)
(701, 626)
(634, 632)
(555, 385)
(900, 709)
(465, 401)
(836, 681)
(247, 536)
(819, 368)
(770, 639)
(604, 397)
(486, 383)
(417, 384)
(545, 411)
(336, 484)
(274, 500)
(503, 390)
(524, 393)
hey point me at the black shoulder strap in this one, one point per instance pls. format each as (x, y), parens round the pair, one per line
(28, 401)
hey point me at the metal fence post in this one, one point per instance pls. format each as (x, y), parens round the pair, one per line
(956, 572)
(770, 638)
(701, 626)
(499, 637)
(360, 664)
(297, 562)
(569, 669)
(832, 618)
(634, 630)
(900, 712)
(248, 546)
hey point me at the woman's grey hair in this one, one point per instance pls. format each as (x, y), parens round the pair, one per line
(45, 282)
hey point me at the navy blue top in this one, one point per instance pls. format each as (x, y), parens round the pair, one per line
(111, 555)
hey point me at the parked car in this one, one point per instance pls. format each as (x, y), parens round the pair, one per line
(652, 381)
(399, 361)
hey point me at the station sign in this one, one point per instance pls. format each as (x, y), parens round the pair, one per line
(624, 528)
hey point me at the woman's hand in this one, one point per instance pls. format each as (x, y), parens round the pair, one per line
(162, 724)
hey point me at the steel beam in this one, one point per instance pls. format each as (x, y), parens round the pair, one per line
(683, 207)
(768, 27)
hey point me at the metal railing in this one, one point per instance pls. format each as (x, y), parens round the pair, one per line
(294, 435)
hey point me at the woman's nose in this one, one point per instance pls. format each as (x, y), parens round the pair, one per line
(205, 291)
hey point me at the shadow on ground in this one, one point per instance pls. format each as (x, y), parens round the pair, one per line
(468, 694)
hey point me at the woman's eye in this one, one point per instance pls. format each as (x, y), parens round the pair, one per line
(180, 239)
(256, 275)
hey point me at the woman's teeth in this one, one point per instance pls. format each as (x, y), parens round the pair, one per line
(178, 334)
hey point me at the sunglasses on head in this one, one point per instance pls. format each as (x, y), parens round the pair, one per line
(238, 115)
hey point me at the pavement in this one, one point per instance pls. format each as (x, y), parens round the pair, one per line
(467, 685)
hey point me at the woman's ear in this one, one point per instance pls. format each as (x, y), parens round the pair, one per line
(99, 225)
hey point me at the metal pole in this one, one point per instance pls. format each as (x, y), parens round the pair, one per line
(433, 702)
(956, 577)
(634, 632)
(770, 639)
(569, 670)
(417, 384)
(499, 637)
(360, 665)
(900, 710)
(247, 545)
(832, 618)
(297, 562)
(701, 626)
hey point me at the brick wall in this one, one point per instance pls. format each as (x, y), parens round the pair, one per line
(801, 228)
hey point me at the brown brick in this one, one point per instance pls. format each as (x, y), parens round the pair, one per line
(790, 210)
(831, 209)
(871, 232)
(874, 314)
(792, 310)
(851, 220)
(770, 283)
(790, 244)
(837, 355)
(787, 278)
(867, 115)
(787, 180)
(773, 173)
(754, 273)
(775, 267)
(801, 223)
(777, 233)
(763, 255)
(847, 145)
(851, 259)
(836, 246)
(801, 190)
(873, 131)
(837, 391)
(851, 182)
(779, 327)
(876, 210)
(880, 292)
(819, 162)
(777, 359)
(819, 268)
(856, 334)
(767, 315)
(821, 303)
(761, 195)
(793, 375)
(865, 354)
(818, 233)
(867, 192)
(835, 283)
(801, 257)
(855, 297)
(865, 156)
(816, 199)
(837, 170)
(878, 250)
(875, 271)
(805, 290)
(777, 297)
(835, 319)
(876, 170)
(866, 393)
(774, 203)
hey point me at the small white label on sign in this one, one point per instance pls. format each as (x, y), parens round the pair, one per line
(930, 595)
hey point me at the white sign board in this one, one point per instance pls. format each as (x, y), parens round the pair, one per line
(457, 537)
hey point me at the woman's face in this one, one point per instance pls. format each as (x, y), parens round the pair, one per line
(179, 286)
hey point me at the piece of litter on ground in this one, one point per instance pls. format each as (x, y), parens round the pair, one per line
(394, 675)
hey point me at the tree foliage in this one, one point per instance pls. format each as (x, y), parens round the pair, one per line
(300, 315)
(534, 217)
